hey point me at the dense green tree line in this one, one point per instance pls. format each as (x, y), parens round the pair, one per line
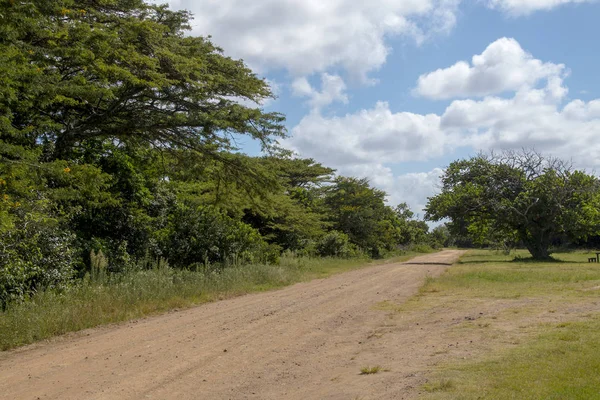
(117, 134)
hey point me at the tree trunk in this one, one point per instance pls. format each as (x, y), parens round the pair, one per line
(538, 244)
(539, 252)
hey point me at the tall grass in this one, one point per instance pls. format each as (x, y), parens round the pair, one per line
(102, 298)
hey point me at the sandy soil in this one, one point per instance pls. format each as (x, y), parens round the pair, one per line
(308, 341)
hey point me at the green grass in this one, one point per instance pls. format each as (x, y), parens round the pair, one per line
(550, 360)
(144, 293)
(561, 363)
(442, 385)
(488, 274)
(370, 370)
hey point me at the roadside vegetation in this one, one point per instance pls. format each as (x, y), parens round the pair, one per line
(119, 156)
(533, 327)
(102, 298)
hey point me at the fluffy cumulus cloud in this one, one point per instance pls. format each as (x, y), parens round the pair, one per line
(361, 144)
(308, 36)
(365, 143)
(415, 189)
(333, 89)
(525, 7)
(532, 117)
(529, 120)
(503, 66)
(311, 36)
(374, 134)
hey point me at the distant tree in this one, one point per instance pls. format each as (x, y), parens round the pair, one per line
(410, 229)
(520, 197)
(442, 236)
(358, 210)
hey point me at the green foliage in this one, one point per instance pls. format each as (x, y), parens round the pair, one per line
(153, 289)
(518, 197)
(359, 211)
(98, 266)
(335, 244)
(441, 236)
(205, 235)
(35, 254)
(117, 149)
(80, 72)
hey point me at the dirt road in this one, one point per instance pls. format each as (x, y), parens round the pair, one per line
(308, 341)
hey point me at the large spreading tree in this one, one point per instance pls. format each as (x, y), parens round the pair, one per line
(78, 72)
(98, 99)
(521, 197)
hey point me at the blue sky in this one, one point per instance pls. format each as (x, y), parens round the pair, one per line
(394, 90)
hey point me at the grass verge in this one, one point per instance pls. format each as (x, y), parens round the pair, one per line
(539, 329)
(561, 363)
(137, 294)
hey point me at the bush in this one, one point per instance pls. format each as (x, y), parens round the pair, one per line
(206, 235)
(336, 244)
(421, 248)
(35, 254)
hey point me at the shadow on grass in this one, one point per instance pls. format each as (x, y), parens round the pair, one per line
(524, 260)
(550, 260)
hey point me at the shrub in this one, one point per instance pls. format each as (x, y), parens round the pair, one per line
(35, 254)
(207, 235)
(421, 248)
(336, 244)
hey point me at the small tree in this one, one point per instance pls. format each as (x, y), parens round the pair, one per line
(518, 196)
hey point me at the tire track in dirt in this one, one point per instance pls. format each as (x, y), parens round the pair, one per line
(307, 341)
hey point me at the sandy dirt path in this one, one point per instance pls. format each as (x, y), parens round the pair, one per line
(307, 341)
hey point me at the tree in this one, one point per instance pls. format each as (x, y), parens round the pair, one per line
(359, 211)
(78, 72)
(441, 236)
(518, 196)
(411, 230)
(96, 97)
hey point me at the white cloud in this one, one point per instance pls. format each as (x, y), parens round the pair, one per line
(367, 142)
(333, 89)
(529, 119)
(503, 66)
(310, 36)
(525, 7)
(375, 134)
(378, 136)
(415, 188)
(305, 37)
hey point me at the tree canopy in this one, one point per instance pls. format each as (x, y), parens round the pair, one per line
(521, 197)
(77, 73)
(118, 135)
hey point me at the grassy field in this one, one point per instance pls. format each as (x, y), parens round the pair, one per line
(108, 300)
(536, 337)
